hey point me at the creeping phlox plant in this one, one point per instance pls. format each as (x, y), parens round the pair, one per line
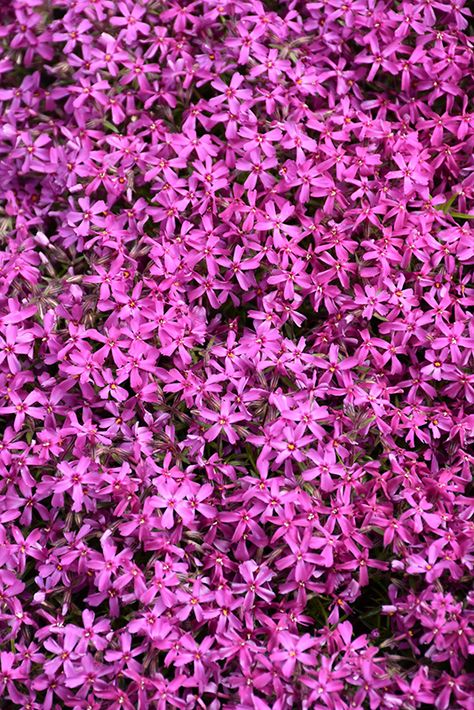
(236, 354)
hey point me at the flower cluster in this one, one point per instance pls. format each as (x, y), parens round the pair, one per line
(236, 354)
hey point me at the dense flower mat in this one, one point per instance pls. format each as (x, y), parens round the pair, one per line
(236, 366)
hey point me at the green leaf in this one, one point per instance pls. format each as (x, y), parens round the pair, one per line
(111, 126)
(444, 207)
(451, 200)
(461, 215)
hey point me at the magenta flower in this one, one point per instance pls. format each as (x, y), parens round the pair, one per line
(15, 342)
(76, 481)
(254, 579)
(236, 382)
(223, 421)
(295, 651)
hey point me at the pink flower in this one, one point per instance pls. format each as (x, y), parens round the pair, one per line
(236, 389)
(295, 651)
